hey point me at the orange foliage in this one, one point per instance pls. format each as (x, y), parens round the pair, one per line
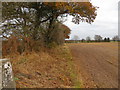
(83, 9)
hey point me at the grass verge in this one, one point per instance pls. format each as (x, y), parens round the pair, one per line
(72, 69)
(49, 69)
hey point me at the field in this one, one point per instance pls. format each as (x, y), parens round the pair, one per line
(96, 64)
(73, 65)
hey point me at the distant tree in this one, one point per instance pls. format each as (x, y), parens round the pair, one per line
(108, 39)
(98, 38)
(82, 40)
(88, 39)
(105, 39)
(116, 38)
(75, 37)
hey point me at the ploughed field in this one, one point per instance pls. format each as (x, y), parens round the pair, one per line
(96, 64)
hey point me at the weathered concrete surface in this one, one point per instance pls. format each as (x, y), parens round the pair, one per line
(7, 74)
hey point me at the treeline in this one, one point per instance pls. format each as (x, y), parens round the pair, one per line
(32, 26)
(20, 44)
(97, 38)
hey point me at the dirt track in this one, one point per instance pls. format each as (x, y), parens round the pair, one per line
(96, 63)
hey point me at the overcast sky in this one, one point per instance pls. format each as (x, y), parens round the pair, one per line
(105, 24)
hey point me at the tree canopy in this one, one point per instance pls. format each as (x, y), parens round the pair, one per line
(38, 19)
(44, 11)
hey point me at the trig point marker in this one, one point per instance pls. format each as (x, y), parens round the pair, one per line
(6, 75)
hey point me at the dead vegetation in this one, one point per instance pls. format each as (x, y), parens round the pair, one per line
(48, 69)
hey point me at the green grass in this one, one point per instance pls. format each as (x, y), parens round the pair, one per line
(15, 78)
(73, 74)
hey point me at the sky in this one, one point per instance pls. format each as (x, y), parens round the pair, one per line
(105, 24)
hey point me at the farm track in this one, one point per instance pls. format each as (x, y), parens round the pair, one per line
(96, 64)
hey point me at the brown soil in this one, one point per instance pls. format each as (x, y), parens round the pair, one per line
(96, 63)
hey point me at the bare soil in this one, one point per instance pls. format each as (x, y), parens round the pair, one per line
(96, 64)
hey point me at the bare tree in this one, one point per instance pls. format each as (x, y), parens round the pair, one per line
(116, 38)
(88, 38)
(75, 37)
(98, 38)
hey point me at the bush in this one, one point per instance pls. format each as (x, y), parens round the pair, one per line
(18, 46)
(52, 45)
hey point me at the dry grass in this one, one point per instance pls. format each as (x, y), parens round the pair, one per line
(51, 69)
